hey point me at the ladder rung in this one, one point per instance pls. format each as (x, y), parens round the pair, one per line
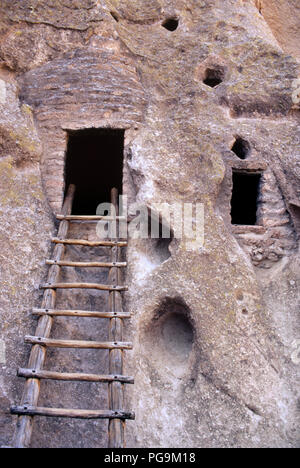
(90, 243)
(81, 313)
(76, 377)
(71, 413)
(53, 343)
(90, 218)
(88, 264)
(101, 287)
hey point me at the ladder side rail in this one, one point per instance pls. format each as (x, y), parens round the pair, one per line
(38, 353)
(116, 427)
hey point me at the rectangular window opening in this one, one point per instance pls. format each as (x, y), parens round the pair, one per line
(245, 194)
(94, 163)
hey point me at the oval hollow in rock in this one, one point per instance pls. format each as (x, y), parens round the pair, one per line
(171, 24)
(178, 335)
(170, 337)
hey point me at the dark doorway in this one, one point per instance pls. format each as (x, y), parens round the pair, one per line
(245, 198)
(94, 163)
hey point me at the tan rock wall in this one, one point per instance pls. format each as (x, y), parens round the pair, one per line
(283, 18)
(232, 380)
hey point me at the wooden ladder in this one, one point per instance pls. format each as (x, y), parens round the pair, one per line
(115, 414)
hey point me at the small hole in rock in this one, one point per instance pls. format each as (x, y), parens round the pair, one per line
(115, 16)
(171, 24)
(213, 76)
(245, 312)
(241, 148)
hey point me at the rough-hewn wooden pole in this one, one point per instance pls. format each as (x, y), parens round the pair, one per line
(38, 353)
(115, 389)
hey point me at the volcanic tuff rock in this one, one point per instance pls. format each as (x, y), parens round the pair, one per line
(215, 329)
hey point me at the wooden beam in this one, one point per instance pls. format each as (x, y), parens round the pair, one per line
(87, 264)
(90, 218)
(80, 344)
(71, 413)
(89, 243)
(73, 377)
(101, 287)
(80, 313)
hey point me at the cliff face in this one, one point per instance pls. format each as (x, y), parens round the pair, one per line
(283, 19)
(202, 89)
